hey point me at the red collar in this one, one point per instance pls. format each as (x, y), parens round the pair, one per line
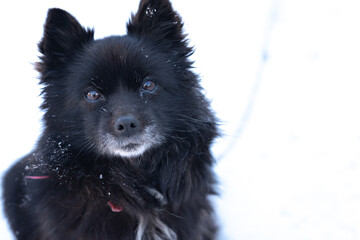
(115, 208)
(37, 177)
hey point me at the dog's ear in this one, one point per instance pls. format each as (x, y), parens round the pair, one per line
(63, 38)
(156, 21)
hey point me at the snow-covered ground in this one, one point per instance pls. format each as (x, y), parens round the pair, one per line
(284, 78)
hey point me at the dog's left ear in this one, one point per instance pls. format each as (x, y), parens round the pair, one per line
(156, 21)
(63, 38)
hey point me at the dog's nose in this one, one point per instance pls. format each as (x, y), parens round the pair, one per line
(127, 125)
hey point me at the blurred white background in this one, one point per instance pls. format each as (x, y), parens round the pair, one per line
(283, 77)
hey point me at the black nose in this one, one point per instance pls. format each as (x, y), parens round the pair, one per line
(127, 125)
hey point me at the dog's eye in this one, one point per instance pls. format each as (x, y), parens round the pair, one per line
(149, 86)
(92, 96)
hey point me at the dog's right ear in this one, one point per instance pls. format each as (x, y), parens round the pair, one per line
(157, 21)
(63, 38)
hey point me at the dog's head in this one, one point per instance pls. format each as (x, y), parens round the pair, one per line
(123, 95)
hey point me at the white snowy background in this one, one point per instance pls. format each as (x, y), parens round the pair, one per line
(283, 77)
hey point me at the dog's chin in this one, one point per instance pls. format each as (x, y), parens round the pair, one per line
(129, 147)
(130, 150)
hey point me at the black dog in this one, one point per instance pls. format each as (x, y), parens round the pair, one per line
(125, 149)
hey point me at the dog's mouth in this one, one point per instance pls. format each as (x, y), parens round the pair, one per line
(131, 147)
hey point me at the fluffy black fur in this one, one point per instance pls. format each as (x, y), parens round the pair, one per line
(126, 125)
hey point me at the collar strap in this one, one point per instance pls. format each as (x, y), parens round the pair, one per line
(36, 177)
(115, 208)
